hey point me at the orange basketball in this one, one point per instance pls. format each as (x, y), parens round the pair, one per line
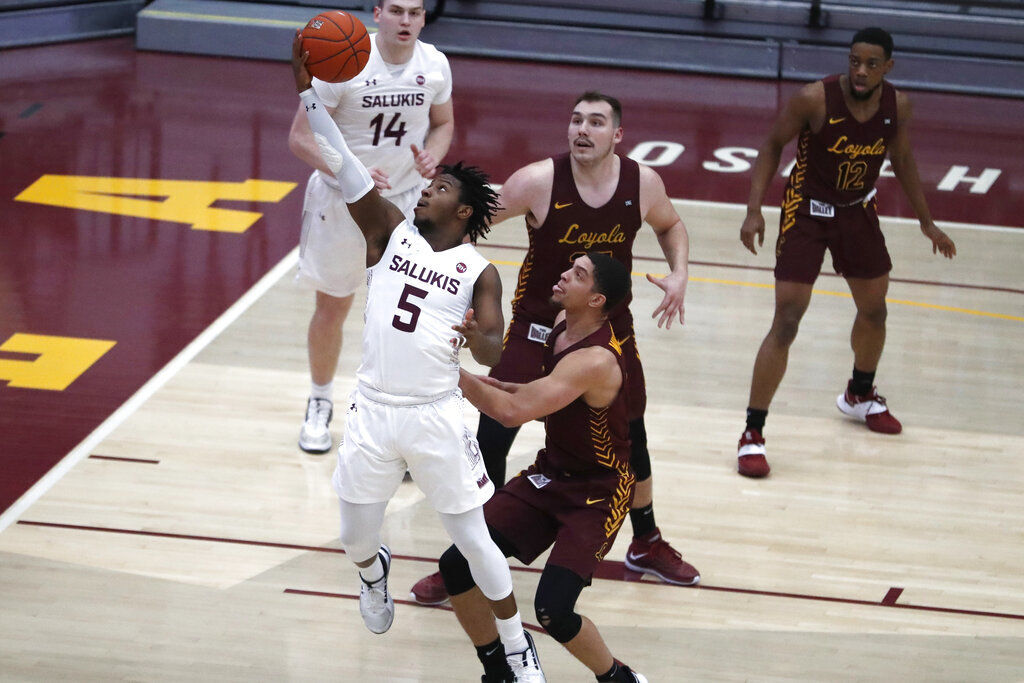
(338, 46)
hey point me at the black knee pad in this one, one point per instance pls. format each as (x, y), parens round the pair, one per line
(555, 603)
(455, 572)
(639, 457)
(495, 441)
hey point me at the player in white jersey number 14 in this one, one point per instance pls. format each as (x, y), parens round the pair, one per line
(396, 117)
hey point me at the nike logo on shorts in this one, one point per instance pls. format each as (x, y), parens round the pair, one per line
(591, 501)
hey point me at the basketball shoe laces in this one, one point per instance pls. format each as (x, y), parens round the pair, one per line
(662, 548)
(524, 665)
(378, 594)
(318, 412)
(868, 397)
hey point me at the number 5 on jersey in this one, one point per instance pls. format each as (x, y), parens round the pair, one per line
(412, 309)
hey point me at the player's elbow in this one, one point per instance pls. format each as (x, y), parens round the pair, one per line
(295, 144)
(510, 414)
(488, 355)
(510, 420)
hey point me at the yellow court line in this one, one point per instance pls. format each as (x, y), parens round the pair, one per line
(825, 292)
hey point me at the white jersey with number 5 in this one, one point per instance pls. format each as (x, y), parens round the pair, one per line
(387, 106)
(414, 296)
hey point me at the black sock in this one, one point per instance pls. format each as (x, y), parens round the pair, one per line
(492, 656)
(619, 672)
(755, 419)
(642, 520)
(862, 382)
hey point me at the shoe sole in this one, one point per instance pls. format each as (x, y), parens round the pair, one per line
(841, 401)
(647, 570)
(318, 451)
(420, 601)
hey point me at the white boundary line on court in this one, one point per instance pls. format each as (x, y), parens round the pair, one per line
(148, 389)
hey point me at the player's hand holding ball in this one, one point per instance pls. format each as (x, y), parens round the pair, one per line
(303, 80)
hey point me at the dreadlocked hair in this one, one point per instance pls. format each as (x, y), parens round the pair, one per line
(476, 193)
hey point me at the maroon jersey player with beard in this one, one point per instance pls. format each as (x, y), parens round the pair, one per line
(588, 199)
(847, 125)
(576, 495)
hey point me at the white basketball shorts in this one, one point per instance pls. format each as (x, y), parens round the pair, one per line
(332, 250)
(431, 440)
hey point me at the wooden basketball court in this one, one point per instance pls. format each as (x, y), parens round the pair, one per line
(194, 540)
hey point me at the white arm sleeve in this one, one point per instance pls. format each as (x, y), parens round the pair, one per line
(354, 179)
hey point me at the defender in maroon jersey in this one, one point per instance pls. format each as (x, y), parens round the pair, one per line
(847, 125)
(578, 491)
(590, 199)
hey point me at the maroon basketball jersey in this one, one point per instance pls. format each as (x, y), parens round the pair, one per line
(573, 228)
(839, 164)
(581, 439)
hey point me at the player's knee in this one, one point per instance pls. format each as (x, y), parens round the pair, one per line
(639, 457)
(785, 327)
(561, 624)
(555, 603)
(332, 310)
(875, 315)
(455, 572)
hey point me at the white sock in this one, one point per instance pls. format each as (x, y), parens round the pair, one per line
(511, 633)
(373, 573)
(322, 390)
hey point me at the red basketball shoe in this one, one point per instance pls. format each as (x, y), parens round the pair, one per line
(430, 590)
(651, 554)
(869, 408)
(752, 459)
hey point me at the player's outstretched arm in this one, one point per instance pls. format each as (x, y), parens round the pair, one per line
(905, 169)
(675, 244)
(591, 372)
(483, 325)
(806, 107)
(375, 216)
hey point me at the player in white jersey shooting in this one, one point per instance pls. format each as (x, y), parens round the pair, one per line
(429, 293)
(396, 116)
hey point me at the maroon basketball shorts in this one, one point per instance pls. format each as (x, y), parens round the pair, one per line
(522, 361)
(851, 234)
(578, 516)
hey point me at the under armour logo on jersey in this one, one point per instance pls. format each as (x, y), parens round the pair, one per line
(406, 242)
(888, 121)
(629, 202)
